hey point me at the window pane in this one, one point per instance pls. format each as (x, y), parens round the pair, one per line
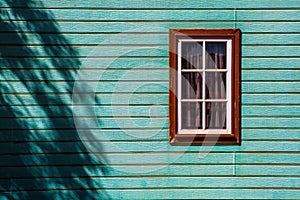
(191, 55)
(215, 85)
(215, 55)
(191, 115)
(191, 83)
(215, 115)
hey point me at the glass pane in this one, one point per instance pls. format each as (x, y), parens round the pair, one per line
(191, 115)
(191, 55)
(215, 115)
(215, 85)
(191, 85)
(215, 55)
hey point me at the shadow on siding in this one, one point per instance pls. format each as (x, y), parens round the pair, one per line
(43, 157)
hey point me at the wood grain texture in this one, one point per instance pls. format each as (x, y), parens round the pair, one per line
(123, 27)
(147, 51)
(42, 155)
(141, 38)
(167, 4)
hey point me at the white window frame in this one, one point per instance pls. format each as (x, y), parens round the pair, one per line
(203, 100)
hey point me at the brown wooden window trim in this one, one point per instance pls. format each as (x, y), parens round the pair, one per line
(232, 138)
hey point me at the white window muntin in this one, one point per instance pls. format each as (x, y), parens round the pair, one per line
(228, 88)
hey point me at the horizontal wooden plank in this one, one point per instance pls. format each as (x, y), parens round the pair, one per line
(138, 111)
(60, 75)
(120, 170)
(270, 15)
(129, 39)
(160, 170)
(170, 193)
(259, 170)
(137, 51)
(143, 146)
(278, 39)
(127, 15)
(275, 122)
(104, 99)
(94, 63)
(104, 27)
(134, 75)
(133, 99)
(138, 63)
(272, 111)
(72, 135)
(151, 122)
(266, 99)
(143, 159)
(135, 87)
(111, 87)
(270, 75)
(156, 15)
(271, 134)
(68, 123)
(134, 135)
(206, 4)
(162, 183)
(270, 63)
(256, 158)
(99, 111)
(90, 39)
(270, 87)
(267, 51)
(114, 159)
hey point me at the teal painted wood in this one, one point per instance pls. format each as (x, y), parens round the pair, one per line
(127, 15)
(271, 134)
(270, 63)
(148, 87)
(146, 146)
(206, 4)
(180, 182)
(138, 122)
(167, 170)
(144, 111)
(127, 159)
(271, 99)
(270, 87)
(117, 27)
(181, 193)
(276, 99)
(260, 170)
(167, 159)
(268, 75)
(161, 15)
(144, 51)
(271, 111)
(255, 134)
(140, 75)
(44, 151)
(147, 63)
(269, 15)
(104, 75)
(124, 170)
(143, 38)
(105, 99)
(92, 63)
(267, 158)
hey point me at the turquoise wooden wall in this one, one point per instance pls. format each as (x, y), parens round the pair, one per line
(116, 146)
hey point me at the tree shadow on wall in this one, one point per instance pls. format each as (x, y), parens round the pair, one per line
(42, 156)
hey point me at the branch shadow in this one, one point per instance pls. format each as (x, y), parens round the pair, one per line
(42, 156)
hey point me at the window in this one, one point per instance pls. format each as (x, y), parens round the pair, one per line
(204, 92)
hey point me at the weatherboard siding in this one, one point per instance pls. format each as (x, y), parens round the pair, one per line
(48, 151)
